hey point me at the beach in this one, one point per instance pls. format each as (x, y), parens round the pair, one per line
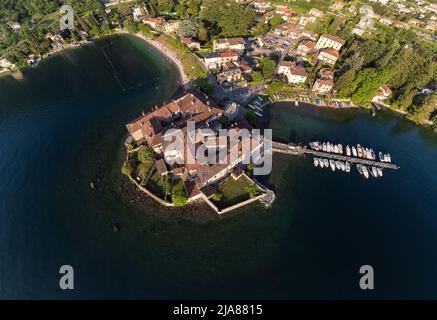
(171, 55)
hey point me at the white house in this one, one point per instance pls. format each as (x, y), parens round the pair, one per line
(294, 73)
(329, 56)
(4, 63)
(329, 41)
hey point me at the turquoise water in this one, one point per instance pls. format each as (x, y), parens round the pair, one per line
(62, 127)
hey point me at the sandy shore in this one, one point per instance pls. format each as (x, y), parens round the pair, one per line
(171, 55)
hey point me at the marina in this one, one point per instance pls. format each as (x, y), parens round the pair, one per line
(336, 157)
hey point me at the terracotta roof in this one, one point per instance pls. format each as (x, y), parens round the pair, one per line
(231, 41)
(191, 188)
(190, 106)
(299, 71)
(308, 43)
(178, 171)
(228, 53)
(161, 166)
(326, 73)
(287, 64)
(333, 38)
(331, 52)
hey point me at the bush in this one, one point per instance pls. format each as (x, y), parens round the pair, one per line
(127, 168)
(146, 155)
(253, 190)
(217, 196)
(179, 198)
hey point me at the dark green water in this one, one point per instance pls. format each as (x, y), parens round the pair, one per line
(62, 127)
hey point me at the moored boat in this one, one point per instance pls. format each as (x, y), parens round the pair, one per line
(326, 162)
(348, 166)
(338, 165)
(379, 171)
(381, 156)
(332, 164)
(316, 162)
(354, 151)
(348, 151)
(360, 151)
(365, 172)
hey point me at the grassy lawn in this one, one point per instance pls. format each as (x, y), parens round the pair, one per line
(156, 184)
(143, 169)
(178, 185)
(234, 191)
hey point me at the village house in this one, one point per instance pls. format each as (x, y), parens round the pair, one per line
(415, 22)
(325, 82)
(337, 6)
(4, 63)
(261, 6)
(294, 73)
(432, 7)
(323, 86)
(329, 56)
(386, 21)
(400, 24)
(193, 45)
(216, 60)
(56, 40)
(431, 25)
(150, 128)
(316, 13)
(171, 26)
(14, 25)
(326, 73)
(305, 47)
(236, 44)
(289, 29)
(383, 93)
(329, 41)
(161, 167)
(358, 30)
(154, 23)
(285, 12)
(138, 12)
(306, 18)
(267, 16)
(230, 76)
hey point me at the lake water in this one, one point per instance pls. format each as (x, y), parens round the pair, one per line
(62, 127)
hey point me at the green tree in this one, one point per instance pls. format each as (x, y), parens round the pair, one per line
(179, 198)
(188, 28)
(127, 168)
(131, 26)
(217, 197)
(146, 155)
(253, 190)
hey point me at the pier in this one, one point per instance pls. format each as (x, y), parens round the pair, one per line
(299, 151)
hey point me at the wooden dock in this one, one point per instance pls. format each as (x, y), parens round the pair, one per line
(292, 150)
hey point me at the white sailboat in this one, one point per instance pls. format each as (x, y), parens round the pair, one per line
(354, 151)
(379, 171)
(365, 172)
(348, 151)
(332, 164)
